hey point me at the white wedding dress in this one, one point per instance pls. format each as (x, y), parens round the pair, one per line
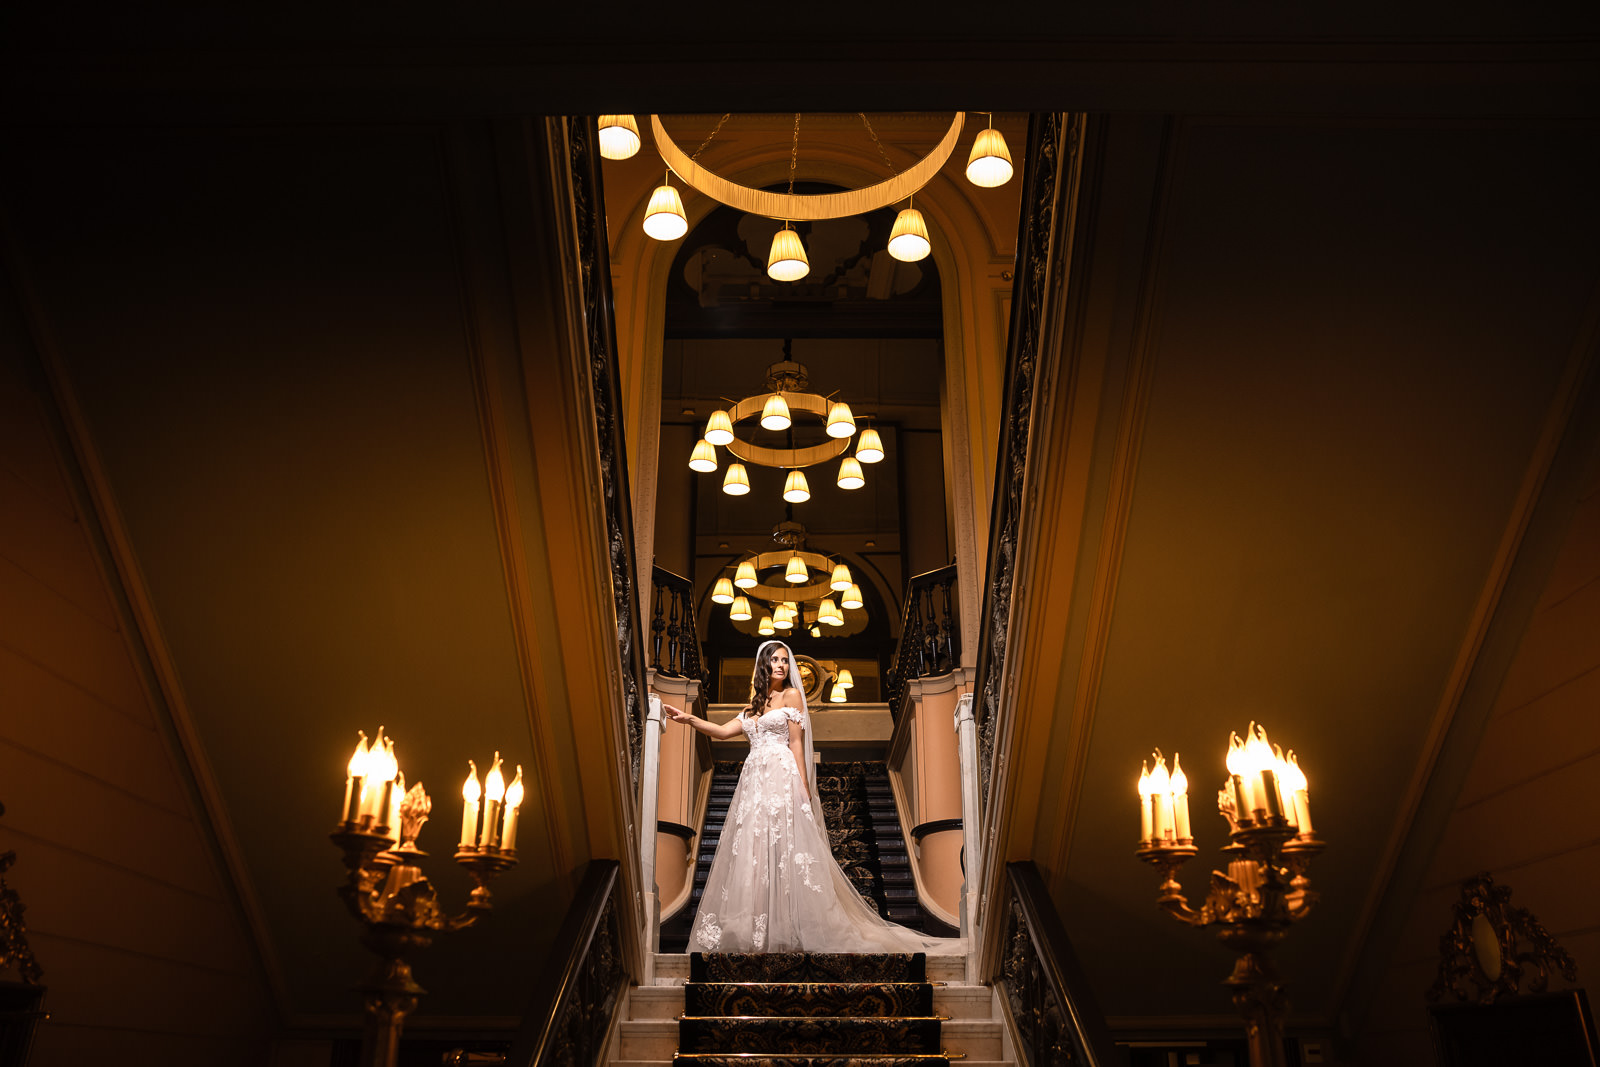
(774, 885)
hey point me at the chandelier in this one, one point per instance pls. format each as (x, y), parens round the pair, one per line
(988, 166)
(786, 394)
(790, 588)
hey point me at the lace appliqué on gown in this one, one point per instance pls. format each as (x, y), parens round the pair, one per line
(774, 877)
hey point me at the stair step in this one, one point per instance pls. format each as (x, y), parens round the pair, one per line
(761, 1060)
(809, 999)
(807, 967)
(788, 1034)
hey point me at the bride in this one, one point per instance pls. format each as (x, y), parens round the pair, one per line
(774, 885)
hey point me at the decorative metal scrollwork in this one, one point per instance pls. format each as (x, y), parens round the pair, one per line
(1036, 1010)
(1492, 945)
(585, 1017)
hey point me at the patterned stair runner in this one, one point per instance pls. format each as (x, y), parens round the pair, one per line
(809, 1010)
(863, 828)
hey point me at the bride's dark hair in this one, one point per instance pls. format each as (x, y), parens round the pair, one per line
(761, 677)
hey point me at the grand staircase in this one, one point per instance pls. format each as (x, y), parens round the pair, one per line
(810, 1010)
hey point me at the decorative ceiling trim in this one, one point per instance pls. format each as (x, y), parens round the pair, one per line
(806, 208)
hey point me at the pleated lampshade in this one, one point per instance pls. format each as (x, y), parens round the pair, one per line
(840, 422)
(828, 613)
(796, 573)
(787, 261)
(782, 620)
(908, 241)
(719, 428)
(851, 598)
(664, 218)
(845, 680)
(736, 482)
(795, 489)
(838, 696)
(704, 457)
(841, 579)
(869, 446)
(765, 629)
(745, 575)
(850, 476)
(722, 592)
(619, 136)
(775, 415)
(740, 612)
(990, 162)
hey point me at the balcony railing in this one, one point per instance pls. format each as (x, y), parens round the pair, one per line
(674, 645)
(930, 637)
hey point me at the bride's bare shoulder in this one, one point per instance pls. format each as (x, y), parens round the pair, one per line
(791, 698)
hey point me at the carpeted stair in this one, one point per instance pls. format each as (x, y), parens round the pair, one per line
(819, 1010)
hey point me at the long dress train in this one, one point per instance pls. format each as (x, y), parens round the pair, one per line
(774, 885)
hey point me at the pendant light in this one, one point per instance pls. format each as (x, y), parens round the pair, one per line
(736, 482)
(869, 446)
(795, 489)
(850, 476)
(745, 576)
(840, 422)
(845, 680)
(766, 628)
(740, 612)
(722, 592)
(782, 620)
(775, 415)
(841, 579)
(787, 261)
(990, 163)
(838, 696)
(908, 241)
(851, 598)
(704, 457)
(619, 136)
(796, 573)
(719, 428)
(828, 613)
(664, 218)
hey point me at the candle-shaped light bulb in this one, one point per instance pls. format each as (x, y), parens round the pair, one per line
(1180, 800)
(494, 792)
(1280, 771)
(355, 779)
(1300, 791)
(470, 792)
(1161, 798)
(1258, 755)
(508, 838)
(372, 786)
(1146, 816)
(398, 791)
(385, 768)
(1239, 774)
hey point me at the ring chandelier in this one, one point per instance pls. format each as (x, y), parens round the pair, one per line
(786, 600)
(988, 166)
(786, 382)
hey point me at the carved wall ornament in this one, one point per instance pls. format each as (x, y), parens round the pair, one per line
(14, 948)
(1492, 945)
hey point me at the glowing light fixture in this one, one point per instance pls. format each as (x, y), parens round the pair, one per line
(722, 592)
(841, 579)
(782, 620)
(740, 612)
(990, 162)
(869, 446)
(775, 416)
(619, 136)
(719, 428)
(766, 628)
(908, 241)
(845, 680)
(704, 457)
(828, 613)
(838, 696)
(796, 573)
(795, 489)
(787, 261)
(850, 476)
(745, 576)
(664, 218)
(736, 482)
(851, 598)
(840, 422)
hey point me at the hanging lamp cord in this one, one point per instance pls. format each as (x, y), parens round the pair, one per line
(709, 137)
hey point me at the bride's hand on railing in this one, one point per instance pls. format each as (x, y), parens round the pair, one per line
(677, 714)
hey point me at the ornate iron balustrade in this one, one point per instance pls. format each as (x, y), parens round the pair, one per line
(1046, 991)
(594, 265)
(567, 1023)
(674, 644)
(930, 636)
(1052, 145)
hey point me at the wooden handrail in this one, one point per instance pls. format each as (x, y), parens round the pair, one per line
(571, 1012)
(930, 638)
(1046, 989)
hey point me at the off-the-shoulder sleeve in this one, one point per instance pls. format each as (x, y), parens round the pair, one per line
(793, 714)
